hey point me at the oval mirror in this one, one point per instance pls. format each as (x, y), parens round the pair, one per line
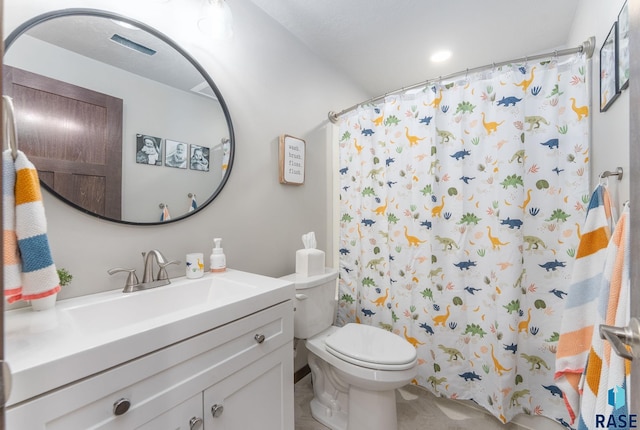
(120, 122)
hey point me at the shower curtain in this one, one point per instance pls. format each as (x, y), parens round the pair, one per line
(461, 206)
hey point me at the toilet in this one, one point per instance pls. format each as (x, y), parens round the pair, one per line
(355, 369)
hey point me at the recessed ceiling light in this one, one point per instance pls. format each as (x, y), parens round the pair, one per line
(440, 56)
(125, 24)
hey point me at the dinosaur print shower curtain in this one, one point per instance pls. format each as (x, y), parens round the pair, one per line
(461, 207)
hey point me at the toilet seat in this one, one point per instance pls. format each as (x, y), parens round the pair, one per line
(371, 347)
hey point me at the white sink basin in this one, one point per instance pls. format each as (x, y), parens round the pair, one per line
(157, 303)
(85, 335)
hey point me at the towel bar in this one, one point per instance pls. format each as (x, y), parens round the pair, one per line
(618, 172)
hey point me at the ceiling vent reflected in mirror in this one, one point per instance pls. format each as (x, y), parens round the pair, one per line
(132, 45)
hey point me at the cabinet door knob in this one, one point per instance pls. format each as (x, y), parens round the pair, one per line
(195, 423)
(121, 406)
(216, 410)
(259, 338)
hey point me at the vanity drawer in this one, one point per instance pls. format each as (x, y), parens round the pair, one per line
(160, 381)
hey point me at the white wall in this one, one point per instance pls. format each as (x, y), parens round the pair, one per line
(272, 85)
(610, 129)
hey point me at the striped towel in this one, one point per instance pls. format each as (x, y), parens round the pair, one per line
(576, 328)
(165, 215)
(26, 242)
(193, 205)
(607, 375)
(11, 255)
(226, 154)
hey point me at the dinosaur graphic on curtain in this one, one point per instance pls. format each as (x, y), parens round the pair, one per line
(461, 207)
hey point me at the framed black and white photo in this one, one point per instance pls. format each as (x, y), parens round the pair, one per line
(148, 150)
(623, 47)
(199, 158)
(609, 70)
(177, 154)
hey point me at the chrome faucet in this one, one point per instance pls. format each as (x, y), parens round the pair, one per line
(148, 266)
(148, 281)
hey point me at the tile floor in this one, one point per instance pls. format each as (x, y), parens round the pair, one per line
(418, 409)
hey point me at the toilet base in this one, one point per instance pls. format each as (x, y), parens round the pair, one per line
(340, 406)
(334, 419)
(330, 403)
(362, 402)
(360, 416)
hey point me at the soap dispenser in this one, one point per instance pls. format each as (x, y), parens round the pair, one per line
(218, 262)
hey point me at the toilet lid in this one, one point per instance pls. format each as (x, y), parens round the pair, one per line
(371, 347)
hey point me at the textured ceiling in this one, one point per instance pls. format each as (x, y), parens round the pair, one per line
(382, 45)
(90, 36)
(385, 44)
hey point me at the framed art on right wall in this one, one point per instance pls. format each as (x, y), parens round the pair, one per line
(609, 70)
(623, 47)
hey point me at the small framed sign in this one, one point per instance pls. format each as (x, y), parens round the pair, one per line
(292, 158)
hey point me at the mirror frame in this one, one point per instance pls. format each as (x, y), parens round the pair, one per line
(23, 28)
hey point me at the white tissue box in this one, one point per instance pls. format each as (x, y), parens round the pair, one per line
(309, 262)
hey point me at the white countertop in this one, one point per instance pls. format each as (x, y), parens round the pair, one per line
(85, 335)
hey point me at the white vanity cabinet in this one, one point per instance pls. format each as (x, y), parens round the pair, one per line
(244, 367)
(248, 399)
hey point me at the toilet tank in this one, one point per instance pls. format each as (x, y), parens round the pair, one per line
(315, 302)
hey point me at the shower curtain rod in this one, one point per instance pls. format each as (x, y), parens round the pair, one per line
(587, 48)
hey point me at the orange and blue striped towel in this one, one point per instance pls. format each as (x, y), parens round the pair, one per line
(194, 205)
(576, 328)
(30, 272)
(11, 255)
(607, 376)
(165, 215)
